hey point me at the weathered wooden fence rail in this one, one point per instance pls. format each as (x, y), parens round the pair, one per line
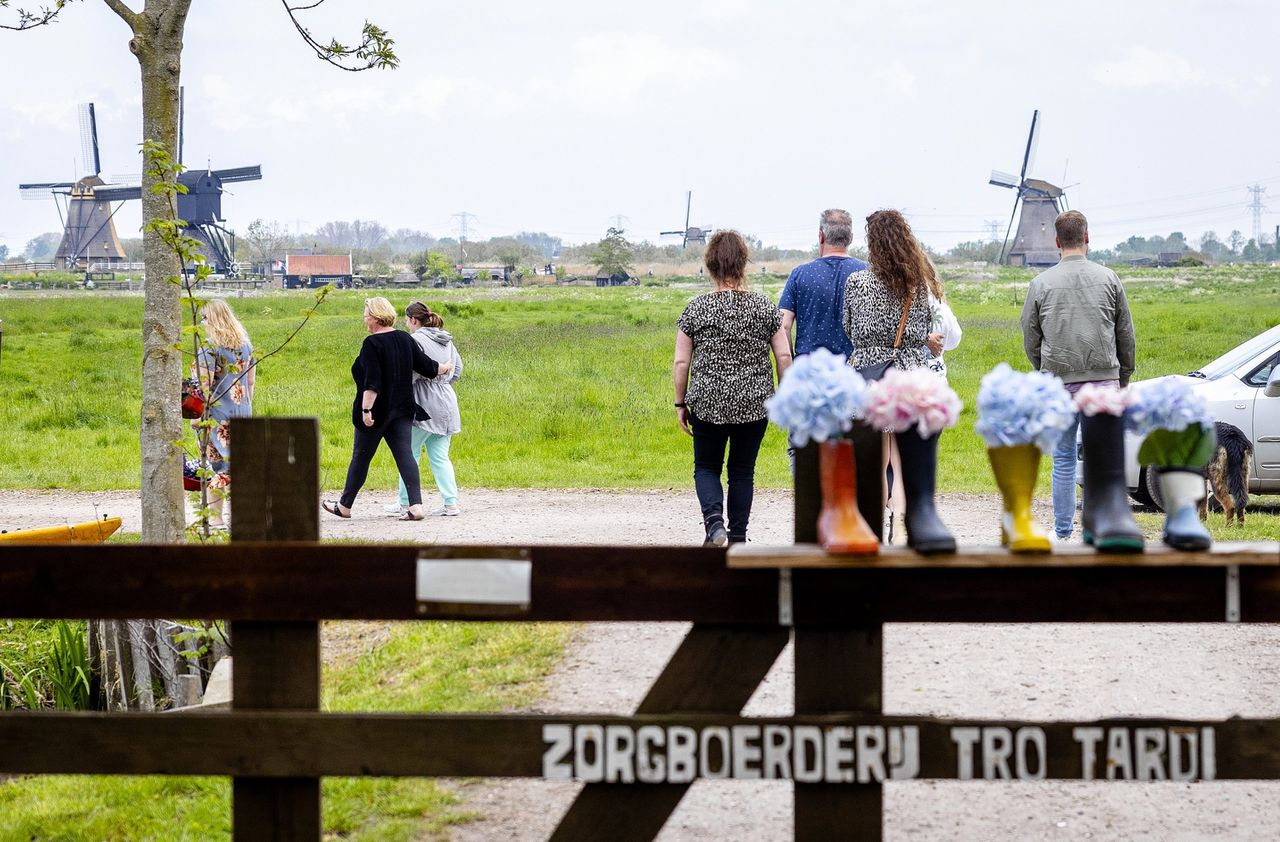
(745, 606)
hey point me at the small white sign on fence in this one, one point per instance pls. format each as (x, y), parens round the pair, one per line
(478, 581)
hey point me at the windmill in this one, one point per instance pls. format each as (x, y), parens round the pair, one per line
(687, 234)
(200, 208)
(1035, 242)
(88, 235)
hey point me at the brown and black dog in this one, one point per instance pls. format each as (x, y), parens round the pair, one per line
(1228, 472)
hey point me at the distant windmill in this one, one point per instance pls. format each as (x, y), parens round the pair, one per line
(689, 235)
(201, 206)
(88, 236)
(1034, 244)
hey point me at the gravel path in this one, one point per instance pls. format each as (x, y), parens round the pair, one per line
(989, 671)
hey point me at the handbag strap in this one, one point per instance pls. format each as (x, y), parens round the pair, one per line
(902, 325)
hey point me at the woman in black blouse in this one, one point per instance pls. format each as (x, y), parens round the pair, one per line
(722, 377)
(384, 406)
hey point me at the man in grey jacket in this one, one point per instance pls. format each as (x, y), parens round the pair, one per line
(1076, 324)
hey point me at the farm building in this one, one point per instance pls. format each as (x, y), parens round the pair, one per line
(316, 270)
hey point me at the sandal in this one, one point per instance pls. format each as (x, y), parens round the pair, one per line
(408, 515)
(333, 507)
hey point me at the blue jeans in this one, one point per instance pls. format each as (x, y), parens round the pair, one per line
(709, 444)
(441, 467)
(1064, 469)
(1064, 480)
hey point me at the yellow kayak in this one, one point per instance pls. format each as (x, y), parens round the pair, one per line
(93, 532)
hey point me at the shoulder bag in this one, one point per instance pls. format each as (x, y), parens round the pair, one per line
(877, 370)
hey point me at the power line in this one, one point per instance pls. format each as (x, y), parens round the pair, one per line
(1156, 199)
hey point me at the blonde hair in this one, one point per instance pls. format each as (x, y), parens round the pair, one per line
(225, 330)
(381, 310)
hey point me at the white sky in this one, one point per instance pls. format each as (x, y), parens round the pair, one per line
(557, 116)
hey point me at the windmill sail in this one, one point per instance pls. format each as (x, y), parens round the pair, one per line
(1033, 138)
(89, 139)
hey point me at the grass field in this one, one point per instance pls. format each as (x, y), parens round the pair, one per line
(563, 387)
(424, 667)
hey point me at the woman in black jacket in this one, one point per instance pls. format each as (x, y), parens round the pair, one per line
(384, 406)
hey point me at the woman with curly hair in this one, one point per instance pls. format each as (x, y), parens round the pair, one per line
(893, 294)
(225, 369)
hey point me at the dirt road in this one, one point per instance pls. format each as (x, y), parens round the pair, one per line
(990, 671)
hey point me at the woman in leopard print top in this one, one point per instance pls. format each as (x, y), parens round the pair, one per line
(873, 298)
(873, 301)
(723, 341)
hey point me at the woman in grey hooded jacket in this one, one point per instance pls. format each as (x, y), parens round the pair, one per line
(437, 399)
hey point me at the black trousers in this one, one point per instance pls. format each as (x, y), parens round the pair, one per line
(397, 432)
(743, 442)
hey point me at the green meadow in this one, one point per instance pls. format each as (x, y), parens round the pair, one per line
(562, 387)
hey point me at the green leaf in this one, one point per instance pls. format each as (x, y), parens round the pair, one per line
(1189, 448)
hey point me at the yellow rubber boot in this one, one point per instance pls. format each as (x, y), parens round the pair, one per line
(1016, 469)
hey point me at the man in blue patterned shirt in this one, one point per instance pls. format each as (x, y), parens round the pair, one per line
(813, 299)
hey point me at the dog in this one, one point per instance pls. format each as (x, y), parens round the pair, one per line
(1228, 472)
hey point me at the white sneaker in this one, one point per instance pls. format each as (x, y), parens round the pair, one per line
(394, 509)
(447, 511)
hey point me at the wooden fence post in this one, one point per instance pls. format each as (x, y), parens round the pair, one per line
(275, 497)
(838, 670)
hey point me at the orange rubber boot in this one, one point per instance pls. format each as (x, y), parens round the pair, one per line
(841, 527)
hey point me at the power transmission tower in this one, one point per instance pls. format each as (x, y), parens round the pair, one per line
(618, 220)
(1257, 207)
(462, 217)
(993, 228)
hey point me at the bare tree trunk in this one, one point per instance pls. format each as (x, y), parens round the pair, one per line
(142, 672)
(126, 660)
(157, 43)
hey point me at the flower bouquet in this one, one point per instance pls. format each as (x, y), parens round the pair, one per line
(1106, 518)
(1021, 414)
(1180, 441)
(818, 400)
(917, 405)
(190, 474)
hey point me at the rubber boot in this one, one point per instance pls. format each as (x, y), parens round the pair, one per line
(1182, 490)
(1016, 469)
(1107, 520)
(841, 527)
(926, 533)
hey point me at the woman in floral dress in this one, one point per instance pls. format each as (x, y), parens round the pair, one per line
(225, 369)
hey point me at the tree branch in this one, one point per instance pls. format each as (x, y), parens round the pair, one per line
(30, 20)
(126, 14)
(376, 47)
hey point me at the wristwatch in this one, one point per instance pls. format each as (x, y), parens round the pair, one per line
(680, 405)
(366, 410)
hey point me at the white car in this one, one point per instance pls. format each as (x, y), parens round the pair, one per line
(1242, 387)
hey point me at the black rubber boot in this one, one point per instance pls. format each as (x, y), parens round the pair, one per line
(1107, 520)
(926, 533)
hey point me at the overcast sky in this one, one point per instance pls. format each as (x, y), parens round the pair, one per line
(557, 116)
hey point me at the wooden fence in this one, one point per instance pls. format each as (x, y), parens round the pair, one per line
(274, 584)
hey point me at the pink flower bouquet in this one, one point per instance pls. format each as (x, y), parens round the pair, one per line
(917, 398)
